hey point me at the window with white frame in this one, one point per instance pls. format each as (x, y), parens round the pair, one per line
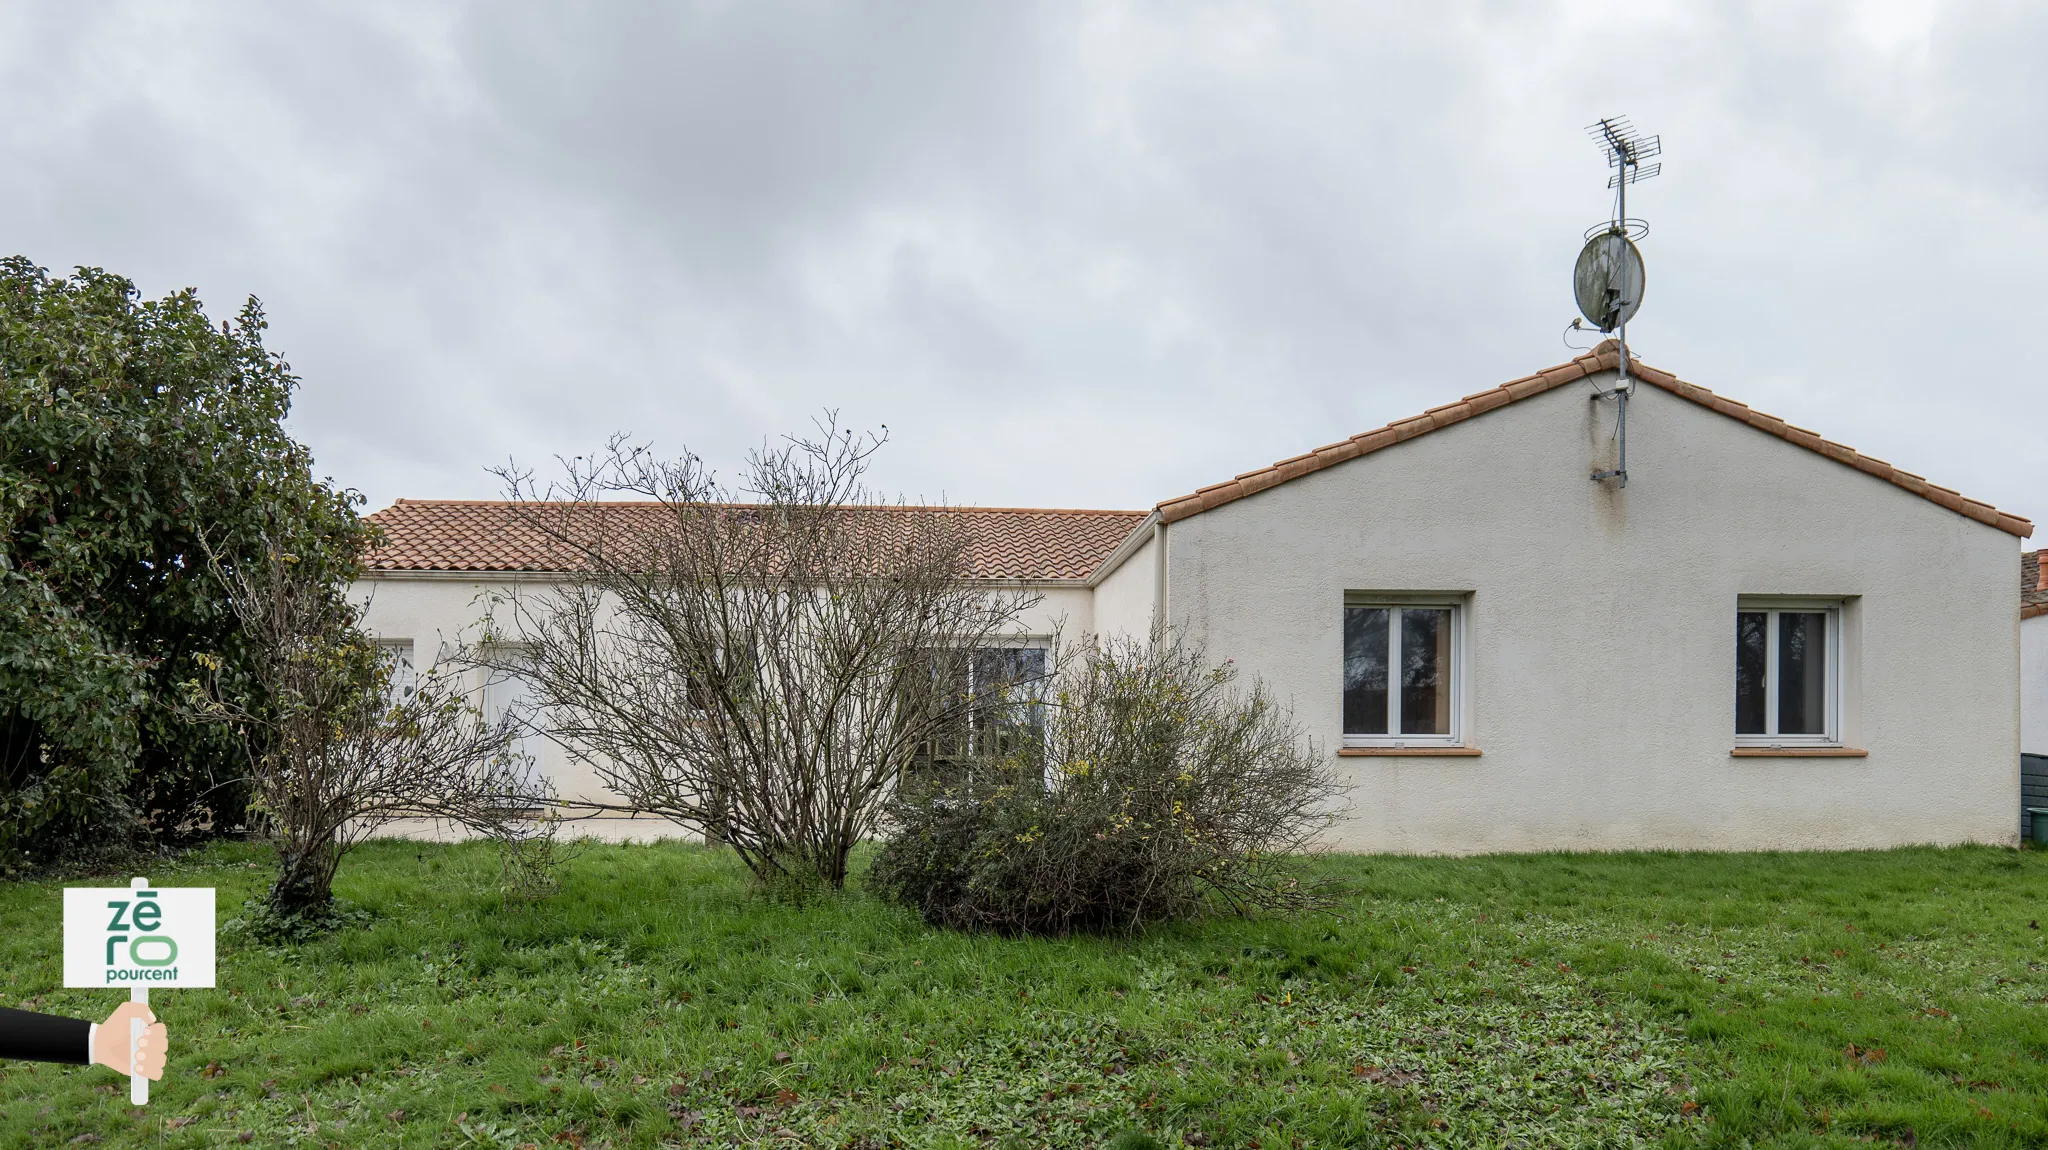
(1402, 668)
(1788, 672)
(400, 678)
(509, 696)
(995, 694)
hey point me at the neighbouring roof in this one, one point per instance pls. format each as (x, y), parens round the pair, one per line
(2033, 593)
(1602, 358)
(487, 535)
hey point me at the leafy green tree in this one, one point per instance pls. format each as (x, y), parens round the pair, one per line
(129, 429)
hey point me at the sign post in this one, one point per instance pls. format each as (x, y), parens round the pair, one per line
(138, 937)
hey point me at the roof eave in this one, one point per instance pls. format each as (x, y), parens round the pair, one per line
(1132, 543)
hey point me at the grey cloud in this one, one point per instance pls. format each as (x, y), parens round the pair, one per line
(1088, 255)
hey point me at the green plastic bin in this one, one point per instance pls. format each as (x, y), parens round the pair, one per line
(2038, 816)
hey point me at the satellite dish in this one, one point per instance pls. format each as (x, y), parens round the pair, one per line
(1608, 280)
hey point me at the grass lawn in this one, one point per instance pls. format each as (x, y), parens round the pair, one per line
(1565, 1000)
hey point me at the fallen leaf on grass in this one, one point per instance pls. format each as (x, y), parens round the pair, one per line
(1388, 1075)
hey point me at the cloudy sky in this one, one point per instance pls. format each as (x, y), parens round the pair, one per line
(1075, 254)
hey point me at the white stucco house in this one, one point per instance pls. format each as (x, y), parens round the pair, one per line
(1765, 640)
(2033, 691)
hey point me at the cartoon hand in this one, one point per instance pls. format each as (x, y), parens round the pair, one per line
(110, 1042)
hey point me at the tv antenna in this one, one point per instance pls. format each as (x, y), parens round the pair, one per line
(1608, 280)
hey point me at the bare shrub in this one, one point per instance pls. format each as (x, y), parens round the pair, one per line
(756, 662)
(1151, 788)
(532, 855)
(334, 752)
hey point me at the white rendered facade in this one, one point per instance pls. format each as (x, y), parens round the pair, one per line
(1599, 659)
(1589, 634)
(2034, 685)
(433, 614)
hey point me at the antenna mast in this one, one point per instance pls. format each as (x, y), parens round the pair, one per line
(1609, 277)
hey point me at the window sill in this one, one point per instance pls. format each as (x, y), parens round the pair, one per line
(1383, 752)
(1799, 753)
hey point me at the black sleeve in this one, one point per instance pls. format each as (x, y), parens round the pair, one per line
(45, 1037)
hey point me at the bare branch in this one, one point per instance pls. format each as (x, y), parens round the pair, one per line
(756, 663)
(334, 751)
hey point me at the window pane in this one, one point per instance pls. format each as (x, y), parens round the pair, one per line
(944, 672)
(1365, 670)
(1802, 672)
(1425, 671)
(509, 696)
(399, 677)
(1750, 654)
(1003, 671)
(1006, 683)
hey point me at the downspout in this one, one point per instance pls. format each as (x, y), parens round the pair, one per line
(1159, 579)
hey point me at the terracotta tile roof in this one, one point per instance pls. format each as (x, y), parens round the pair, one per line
(1602, 358)
(2033, 593)
(486, 535)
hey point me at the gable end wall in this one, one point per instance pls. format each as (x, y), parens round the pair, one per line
(1601, 631)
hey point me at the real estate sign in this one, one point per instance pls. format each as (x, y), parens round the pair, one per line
(138, 936)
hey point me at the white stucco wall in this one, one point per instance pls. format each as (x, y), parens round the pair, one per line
(437, 612)
(1123, 600)
(2034, 685)
(1064, 610)
(1601, 632)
